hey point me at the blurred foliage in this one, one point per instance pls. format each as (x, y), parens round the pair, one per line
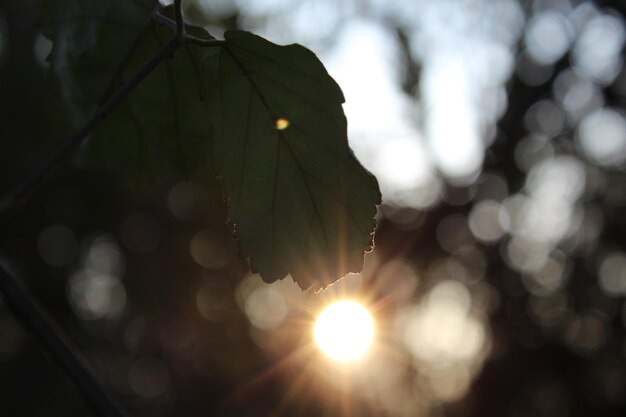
(159, 130)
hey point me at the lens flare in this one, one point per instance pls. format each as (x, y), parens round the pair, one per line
(344, 331)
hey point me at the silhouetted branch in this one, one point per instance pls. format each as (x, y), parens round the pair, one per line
(70, 145)
(26, 309)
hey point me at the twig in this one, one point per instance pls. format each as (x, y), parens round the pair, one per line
(19, 299)
(62, 153)
(178, 14)
(203, 42)
(185, 36)
(161, 18)
(165, 20)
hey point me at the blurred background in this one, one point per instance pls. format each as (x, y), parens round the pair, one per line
(497, 131)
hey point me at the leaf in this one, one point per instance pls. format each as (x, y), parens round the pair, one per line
(300, 202)
(91, 41)
(162, 128)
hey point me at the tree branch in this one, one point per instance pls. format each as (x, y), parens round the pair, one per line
(70, 145)
(23, 304)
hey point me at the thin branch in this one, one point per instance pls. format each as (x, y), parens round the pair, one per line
(165, 20)
(65, 150)
(70, 145)
(178, 14)
(19, 299)
(185, 36)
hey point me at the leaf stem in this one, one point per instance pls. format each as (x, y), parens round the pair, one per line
(73, 142)
(178, 14)
(165, 20)
(23, 304)
(185, 37)
(203, 42)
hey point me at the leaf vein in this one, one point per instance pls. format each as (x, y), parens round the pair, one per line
(280, 140)
(280, 64)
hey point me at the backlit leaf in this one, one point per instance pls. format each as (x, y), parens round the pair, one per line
(300, 202)
(162, 127)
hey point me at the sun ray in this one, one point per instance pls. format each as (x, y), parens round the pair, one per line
(344, 331)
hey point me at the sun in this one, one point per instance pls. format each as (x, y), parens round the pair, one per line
(344, 331)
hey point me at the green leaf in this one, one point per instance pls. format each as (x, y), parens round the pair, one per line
(91, 41)
(300, 202)
(162, 128)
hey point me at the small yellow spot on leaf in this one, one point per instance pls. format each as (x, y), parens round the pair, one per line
(282, 124)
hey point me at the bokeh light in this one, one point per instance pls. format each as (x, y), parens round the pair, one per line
(612, 274)
(602, 137)
(440, 330)
(208, 250)
(95, 291)
(149, 377)
(187, 200)
(597, 50)
(57, 245)
(547, 37)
